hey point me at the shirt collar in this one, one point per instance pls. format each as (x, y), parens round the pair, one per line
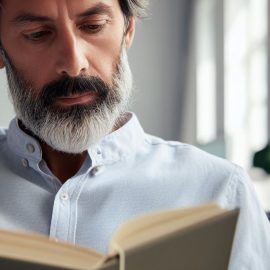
(23, 144)
(110, 148)
(120, 143)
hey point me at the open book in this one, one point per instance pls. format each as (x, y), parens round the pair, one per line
(188, 239)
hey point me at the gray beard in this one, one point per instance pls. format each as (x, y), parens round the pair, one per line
(73, 130)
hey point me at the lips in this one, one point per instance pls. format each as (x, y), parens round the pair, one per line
(77, 99)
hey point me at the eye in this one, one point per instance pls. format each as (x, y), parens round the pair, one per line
(37, 36)
(93, 27)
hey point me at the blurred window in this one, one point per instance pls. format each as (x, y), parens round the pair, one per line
(244, 76)
(206, 72)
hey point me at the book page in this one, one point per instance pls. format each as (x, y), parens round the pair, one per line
(147, 227)
(39, 249)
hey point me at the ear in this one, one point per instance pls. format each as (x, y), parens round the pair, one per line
(130, 32)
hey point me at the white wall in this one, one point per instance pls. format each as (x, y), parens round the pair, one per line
(155, 60)
(158, 61)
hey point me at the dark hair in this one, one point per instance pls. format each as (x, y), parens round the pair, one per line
(136, 8)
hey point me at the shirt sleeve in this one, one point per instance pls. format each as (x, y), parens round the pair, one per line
(251, 247)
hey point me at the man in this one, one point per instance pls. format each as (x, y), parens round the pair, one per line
(73, 164)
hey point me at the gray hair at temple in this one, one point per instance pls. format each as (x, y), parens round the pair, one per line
(136, 8)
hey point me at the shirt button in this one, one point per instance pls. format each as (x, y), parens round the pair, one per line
(99, 152)
(97, 170)
(64, 196)
(25, 162)
(30, 148)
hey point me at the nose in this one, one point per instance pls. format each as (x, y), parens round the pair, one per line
(71, 56)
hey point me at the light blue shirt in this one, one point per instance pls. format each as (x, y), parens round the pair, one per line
(127, 173)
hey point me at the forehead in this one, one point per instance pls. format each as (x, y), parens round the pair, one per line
(52, 8)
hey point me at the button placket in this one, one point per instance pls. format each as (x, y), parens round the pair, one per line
(64, 218)
(61, 216)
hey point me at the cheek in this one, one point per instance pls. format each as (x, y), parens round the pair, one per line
(30, 67)
(33, 72)
(104, 66)
(103, 58)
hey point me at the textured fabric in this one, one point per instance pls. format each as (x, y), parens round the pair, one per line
(127, 173)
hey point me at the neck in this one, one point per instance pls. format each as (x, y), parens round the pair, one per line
(62, 165)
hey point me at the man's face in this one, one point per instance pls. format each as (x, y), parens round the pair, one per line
(73, 54)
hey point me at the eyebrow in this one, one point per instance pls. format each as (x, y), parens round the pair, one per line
(28, 18)
(100, 8)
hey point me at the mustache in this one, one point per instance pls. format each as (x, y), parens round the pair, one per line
(67, 85)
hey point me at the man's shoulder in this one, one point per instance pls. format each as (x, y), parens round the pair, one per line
(186, 156)
(183, 149)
